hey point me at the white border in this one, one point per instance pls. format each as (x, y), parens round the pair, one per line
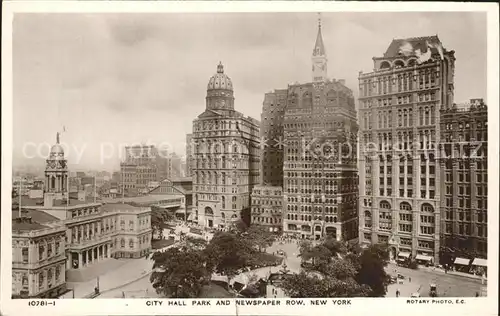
(472, 306)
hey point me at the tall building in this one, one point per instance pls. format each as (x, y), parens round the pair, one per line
(271, 133)
(225, 157)
(399, 107)
(464, 179)
(320, 175)
(189, 155)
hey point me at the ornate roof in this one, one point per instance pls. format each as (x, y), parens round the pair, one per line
(416, 42)
(220, 81)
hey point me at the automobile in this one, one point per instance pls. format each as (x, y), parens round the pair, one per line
(400, 276)
(416, 294)
(281, 252)
(393, 279)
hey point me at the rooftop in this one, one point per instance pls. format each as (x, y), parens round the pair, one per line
(36, 216)
(140, 199)
(26, 224)
(416, 42)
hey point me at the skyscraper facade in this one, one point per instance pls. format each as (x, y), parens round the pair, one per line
(399, 107)
(320, 171)
(226, 157)
(464, 175)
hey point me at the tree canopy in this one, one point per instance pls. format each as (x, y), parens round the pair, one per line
(334, 269)
(179, 274)
(195, 261)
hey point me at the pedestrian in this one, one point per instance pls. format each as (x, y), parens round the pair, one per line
(397, 293)
(477, 294)
(409, 279)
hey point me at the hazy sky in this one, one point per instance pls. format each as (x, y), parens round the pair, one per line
(131, 78)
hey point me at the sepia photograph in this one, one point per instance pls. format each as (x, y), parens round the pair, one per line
(250, 159)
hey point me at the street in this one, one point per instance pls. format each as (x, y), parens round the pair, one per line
(447, 284)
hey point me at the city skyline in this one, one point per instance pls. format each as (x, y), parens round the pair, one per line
(142, 89)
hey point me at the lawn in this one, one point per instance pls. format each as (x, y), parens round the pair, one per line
(264, 259)
(161, 243)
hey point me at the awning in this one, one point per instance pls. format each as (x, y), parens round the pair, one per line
(480, 262)
(462, 261)
(423, 257)
(404, 254)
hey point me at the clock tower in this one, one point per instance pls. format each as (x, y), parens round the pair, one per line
(56, 175)
(319, 59)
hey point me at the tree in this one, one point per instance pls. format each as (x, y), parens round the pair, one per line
(158, 217)
(228, 253)
(370, 266)
(193, 243)
(179, 273)
(259, 236)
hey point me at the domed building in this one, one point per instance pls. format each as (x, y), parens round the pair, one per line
(225, 157)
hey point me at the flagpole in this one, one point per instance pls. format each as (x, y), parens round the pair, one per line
(94, 189)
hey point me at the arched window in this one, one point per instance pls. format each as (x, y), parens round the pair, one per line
(122, 243)
(368, 214)
(385, 65)
(131, 243)
(405, 206)
(385, 205)
(426, 207)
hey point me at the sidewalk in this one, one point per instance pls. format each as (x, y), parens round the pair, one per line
(125, 274)
(462, 274)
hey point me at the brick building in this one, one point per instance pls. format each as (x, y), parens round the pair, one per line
(464, 174)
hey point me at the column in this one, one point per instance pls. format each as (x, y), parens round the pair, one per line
(395, 177)
(385, 176)
(109, 251)
(405, 186)
(80, 260)
(427, 178)
(362, 176)
(375, 172)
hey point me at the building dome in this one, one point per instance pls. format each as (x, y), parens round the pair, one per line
(56, 150)
(220, 81)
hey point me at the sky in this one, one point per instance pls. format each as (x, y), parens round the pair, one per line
(122, 79)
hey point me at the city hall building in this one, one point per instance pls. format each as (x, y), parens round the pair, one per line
(399, 114)
(225, 157)
(56, 235)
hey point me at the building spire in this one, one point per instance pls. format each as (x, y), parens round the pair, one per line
(319, 47)
(57, 138)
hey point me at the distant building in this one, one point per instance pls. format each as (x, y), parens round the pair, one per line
(179, 188)
(225, 157)
(267, 207)
(464, 177)
(189, 154)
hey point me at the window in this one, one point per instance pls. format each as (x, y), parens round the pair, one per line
(25, 255)
(131, 243)
(41, 250)
(122, 243)
(426, 230)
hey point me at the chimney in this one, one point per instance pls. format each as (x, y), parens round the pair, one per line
(48, 200)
